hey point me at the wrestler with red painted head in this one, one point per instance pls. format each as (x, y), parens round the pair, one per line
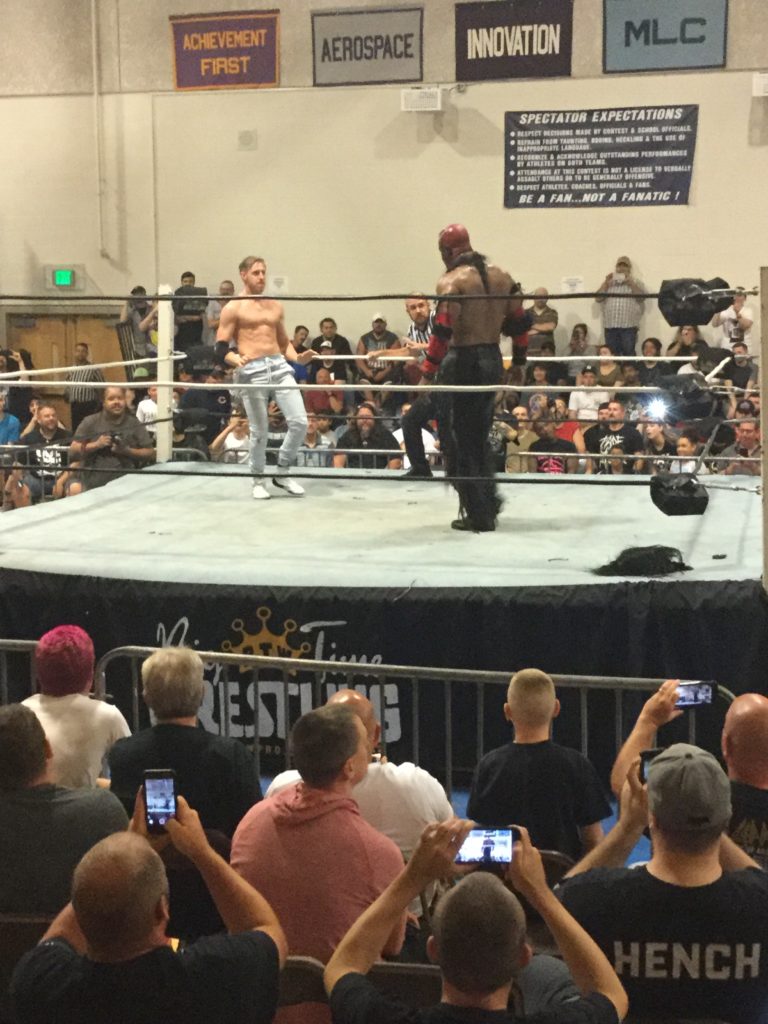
(465, 349)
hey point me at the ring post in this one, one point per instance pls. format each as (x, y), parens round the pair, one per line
(164, 434)
(764, 408)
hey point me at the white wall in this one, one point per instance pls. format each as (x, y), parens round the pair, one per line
(344, 194)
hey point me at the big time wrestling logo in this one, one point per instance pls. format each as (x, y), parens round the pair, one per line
(236, 700)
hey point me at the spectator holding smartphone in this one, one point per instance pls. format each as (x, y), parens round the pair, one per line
(478, 941)
(107, 955)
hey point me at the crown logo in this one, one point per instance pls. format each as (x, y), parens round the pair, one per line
(266, 643)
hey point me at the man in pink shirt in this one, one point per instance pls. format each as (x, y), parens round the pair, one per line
(316, 860)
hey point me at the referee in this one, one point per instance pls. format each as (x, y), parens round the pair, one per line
(83, 400)
(425, 407)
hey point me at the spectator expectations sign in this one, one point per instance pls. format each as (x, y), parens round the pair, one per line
(648, 35)
(614, 156)
(513, 39)
(376, 45)
(239, 50)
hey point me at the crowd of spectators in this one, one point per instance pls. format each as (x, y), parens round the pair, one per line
(612, 429)
(350, 857)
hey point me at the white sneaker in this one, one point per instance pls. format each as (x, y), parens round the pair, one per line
(260, 492)
(285, 483)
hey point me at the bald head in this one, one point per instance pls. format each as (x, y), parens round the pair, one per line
(745, 740)
(362, 707)
(117, 894)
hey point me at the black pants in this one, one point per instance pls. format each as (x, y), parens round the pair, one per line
(79, 410)
(426, 407)
(467, 419)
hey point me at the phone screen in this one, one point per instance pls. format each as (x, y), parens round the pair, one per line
(646, 756)
(159, 799)
(487, 846)
(693, 693)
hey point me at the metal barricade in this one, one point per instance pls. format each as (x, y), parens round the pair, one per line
(17, 647)
(288, 669)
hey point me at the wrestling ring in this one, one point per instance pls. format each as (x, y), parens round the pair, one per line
(366, 569)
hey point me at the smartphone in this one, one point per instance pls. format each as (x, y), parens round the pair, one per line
(646, 756)
(159, 798)
(488, 846)
(697, 691)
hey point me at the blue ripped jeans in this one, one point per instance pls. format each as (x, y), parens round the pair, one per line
(275, 371)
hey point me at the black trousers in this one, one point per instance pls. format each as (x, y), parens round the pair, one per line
(79, 410)
(467, 420)
(427, 407)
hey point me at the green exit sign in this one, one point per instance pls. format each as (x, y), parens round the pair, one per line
(64, 277)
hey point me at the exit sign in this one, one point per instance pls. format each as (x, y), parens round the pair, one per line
(64, 277)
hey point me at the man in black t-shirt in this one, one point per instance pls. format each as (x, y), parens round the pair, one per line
(685, 932)
(106, 958)
(614, 432)
(215, 773)
(343, 369)
(745, 751)
(478, 941)
(44, 462)
(560, 454)
(366, 433)
(554, 791)
(189, 310)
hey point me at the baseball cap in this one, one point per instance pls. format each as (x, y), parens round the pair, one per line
(624, 259)
(589, 368)
(326, 344)
(688, 791)
(746, 406)
(378, 316)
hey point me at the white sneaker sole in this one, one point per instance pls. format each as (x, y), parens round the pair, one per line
(260, 492)
(290, 486)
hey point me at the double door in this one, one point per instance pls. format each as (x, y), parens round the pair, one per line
(51, 339)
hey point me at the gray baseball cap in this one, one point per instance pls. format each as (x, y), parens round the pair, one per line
(688, 791)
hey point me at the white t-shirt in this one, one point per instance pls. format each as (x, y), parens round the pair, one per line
(430, 447)
(146, 413)
(728, 324)
(81, 731)
(585, 403)
(239, 446)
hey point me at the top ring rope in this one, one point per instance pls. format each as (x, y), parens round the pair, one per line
(15, 375)
(385, 297)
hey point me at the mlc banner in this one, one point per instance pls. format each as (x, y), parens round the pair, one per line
(513, 39)
(237, 50)
(614, 156)
(648, 35)
(374, 46)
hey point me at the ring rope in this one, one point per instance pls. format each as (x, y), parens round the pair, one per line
(385, 297)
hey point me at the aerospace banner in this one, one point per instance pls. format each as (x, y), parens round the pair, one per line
(613, 156)
(513, 39)
(226, 51)
(367, 47)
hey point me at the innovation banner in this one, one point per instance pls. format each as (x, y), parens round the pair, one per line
(612, 156)
(373, 46)
(239, 50)
(513, 39)
(651, 35)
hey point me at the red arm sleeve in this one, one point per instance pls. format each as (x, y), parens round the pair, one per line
(441, 335)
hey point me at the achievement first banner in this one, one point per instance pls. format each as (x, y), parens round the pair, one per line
(613, 156)
(236, 50)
